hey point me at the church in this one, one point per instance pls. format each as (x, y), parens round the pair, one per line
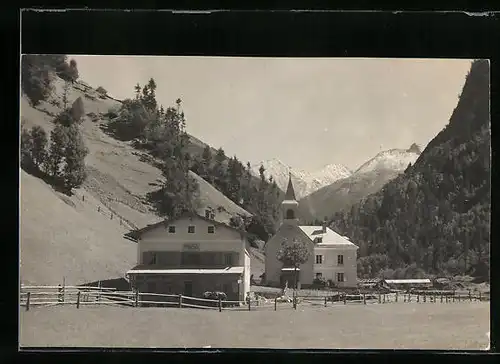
(331, 256)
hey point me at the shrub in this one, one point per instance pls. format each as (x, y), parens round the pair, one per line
(101, 91)
(319, 282)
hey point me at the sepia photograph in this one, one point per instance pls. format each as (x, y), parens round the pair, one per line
(254, 202)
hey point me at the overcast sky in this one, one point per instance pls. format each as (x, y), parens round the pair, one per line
(307, 112)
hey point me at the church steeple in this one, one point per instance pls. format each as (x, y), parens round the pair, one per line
(290, 193)
(289, 206)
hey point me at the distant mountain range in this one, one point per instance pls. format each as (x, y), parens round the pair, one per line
(304, 182)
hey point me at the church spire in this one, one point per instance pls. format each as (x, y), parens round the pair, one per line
(290, 193)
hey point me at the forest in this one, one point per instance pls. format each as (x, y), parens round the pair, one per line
(434, 218)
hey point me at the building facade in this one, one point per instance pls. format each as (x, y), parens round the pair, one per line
(331, 256)
(191, 255)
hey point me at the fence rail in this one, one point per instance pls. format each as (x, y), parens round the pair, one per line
(83, 295)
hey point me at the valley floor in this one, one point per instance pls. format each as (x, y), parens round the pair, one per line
(458, 326)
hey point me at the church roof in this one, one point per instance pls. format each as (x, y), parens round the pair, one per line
(290, 193)
(330, 238)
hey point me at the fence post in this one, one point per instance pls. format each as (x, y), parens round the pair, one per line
(220, 305)
(59, 293)
(453, 298)
(325, 301)
(99, 292)
(418, 298)
(384, 298)
(442, 298)
(404, 297)
(137, 298)
(425, 297)
(379, 298)
(78, 300)
(345, 298)
(409, 297)
(470, 297)
(434, 298)
(364, 298)
(28, 301)
(249, 302)
(180, 301)
(396, 297)
(63, 288)
(275, 303)
(480, 296)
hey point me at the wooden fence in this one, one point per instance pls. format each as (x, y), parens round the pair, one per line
(82, 295)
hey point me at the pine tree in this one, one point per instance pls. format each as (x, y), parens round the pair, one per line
(77, 110)
(26, 149)
(36, 82)
(39, 144)
(58, 141)
(74, 155)
(73, 71)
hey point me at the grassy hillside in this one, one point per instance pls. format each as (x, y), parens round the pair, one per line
(342, 194)
(64, 236)
(58, 239)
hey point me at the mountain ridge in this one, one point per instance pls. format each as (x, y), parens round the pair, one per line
(304, 182)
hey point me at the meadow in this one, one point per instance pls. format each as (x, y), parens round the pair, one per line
(456, 326)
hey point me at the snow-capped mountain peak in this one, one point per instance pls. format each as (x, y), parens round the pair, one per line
(394, 159)
(304, 182)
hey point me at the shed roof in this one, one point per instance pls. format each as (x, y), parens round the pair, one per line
(408, 281)
(144, 270)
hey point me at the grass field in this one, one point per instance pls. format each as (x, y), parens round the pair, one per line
(456, 326)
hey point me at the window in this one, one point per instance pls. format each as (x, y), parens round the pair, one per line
(290, 214)
(211, 229)
(340, 259)
(228, 259)
(318, 240)
(191, 229)
(171, 229)
(207, 214)
(340, 277)
(319, 275)
(319, 259)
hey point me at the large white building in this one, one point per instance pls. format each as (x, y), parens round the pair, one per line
(191, 255)
(332, 256)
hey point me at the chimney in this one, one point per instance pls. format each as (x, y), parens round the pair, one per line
(324, 227)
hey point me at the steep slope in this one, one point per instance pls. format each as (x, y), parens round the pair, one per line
(119, 177)
(342, 194)
(67, 237)
(435, 217)
(303, 182)
(368, 179)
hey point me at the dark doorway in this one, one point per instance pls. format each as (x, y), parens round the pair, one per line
(188, 288)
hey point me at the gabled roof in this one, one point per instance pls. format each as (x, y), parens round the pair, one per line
(330, 238)
(136, 234)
